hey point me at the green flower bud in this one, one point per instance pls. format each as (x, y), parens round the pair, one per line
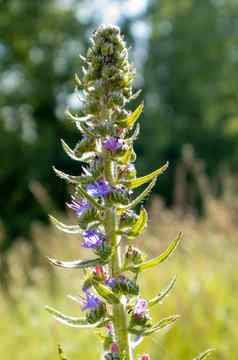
(133, 256)
(88, 217)
(85, 145)
(128, 219)
(104, 250)
(96, 314)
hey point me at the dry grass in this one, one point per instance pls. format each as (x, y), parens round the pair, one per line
(205, 294)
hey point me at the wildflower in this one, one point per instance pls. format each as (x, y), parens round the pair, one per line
(110, 172)
(111, 281)
(114, 348)
(145, 357)
(99, 188)
(100, 273)
(112, 144)
(110, 328)
(78, 206)
(91, 301)
(140, 308)
(92, 239)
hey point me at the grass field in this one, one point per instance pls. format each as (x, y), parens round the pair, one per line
(205, 295)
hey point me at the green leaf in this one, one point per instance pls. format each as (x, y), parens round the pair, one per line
(70, 178)
(141, 197)
(133, 184)
(163, 293)
(91, 199)
(204, 354)
(76, 264)
(69, 229)
(162, 324)
(82, 119)
(159, 259)
(134, 136)
(106, 292)
(135, 115)
(135, 95)
(84, 129)
(71, 320)
(78, 81)
(61, 353)
(69, 151)
(126, 158)
(139, 226)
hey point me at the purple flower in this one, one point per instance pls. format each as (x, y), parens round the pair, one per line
(110, 328)
(112, 144)
(114, 348)
(91, 301)
(140, 307)
(122, 279)
(111, 281)
(79, 206)
(92, 239)
(99, 188)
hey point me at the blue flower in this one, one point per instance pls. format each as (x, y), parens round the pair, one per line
(111, 282)
(99, 188)
(91, 301)
(112, 144)
(79, 206)
(92, 239)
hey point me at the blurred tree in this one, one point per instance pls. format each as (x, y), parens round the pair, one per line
(187, 52)
(39, 47)
(191, 82)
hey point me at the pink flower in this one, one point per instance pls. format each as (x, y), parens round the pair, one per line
(145, 357)
(114, 348)
(140, 307)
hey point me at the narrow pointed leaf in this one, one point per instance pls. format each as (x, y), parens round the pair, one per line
(159, 259)
(61, 353)
(69, 151)
(135, 95)
(69, 229)
(141, 197)
(76, 264)
(163, 293)
(134, 136)
(91, 199)
(162, 324)
(84, 129)
(106, 293)
(71, 321)
(78, 81)
(125, 159)
(139, 226)
(70, 178)
(133, 184)
(136, 342)
(82, 119)
(83, 58)
(135, 115)
(204, 354)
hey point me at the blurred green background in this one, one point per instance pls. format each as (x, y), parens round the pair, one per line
(186, 55)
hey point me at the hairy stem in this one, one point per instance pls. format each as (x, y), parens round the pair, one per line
(120, 320)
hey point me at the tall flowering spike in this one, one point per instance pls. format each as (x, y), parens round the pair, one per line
(104, 203)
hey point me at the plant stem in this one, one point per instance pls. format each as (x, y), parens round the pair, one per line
(120, 319)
